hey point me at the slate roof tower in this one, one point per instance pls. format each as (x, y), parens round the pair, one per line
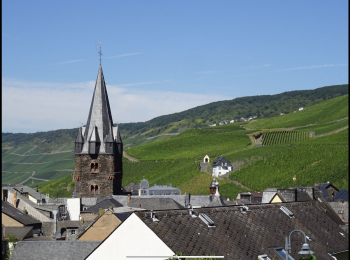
(98, 149)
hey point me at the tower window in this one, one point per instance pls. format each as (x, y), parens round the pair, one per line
(94, 167)
(94, 189)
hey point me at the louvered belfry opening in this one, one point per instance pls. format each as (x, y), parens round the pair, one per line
(98, 148)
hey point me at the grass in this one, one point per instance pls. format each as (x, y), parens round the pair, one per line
(323, 112)
(327, 127)
(316, 160)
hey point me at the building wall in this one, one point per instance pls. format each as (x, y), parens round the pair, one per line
(88, 216)
(109, 165)
(7, 221)
(73, 208)
(137, 240)
(30, 209)
(101, 228)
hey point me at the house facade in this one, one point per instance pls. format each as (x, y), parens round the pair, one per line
(221, 166)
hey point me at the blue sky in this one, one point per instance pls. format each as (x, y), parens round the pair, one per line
(161, 57)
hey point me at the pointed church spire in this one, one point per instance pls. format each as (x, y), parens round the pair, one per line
(100, 114)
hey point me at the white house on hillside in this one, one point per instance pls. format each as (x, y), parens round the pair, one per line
(221, 167)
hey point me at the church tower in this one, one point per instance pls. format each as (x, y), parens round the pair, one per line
(98, 149)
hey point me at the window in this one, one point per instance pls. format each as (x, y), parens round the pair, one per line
(73, 232)
(94, 189)
(94, 167)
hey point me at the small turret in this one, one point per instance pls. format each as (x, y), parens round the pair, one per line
(79, 141)
(109, 142)
(94, 142)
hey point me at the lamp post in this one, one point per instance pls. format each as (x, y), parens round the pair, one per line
(305, 249)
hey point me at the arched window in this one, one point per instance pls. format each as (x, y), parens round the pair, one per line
(94, 189)
(94, 167)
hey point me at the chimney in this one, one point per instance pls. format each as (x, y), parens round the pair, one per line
(128, 200)
(54, 212)
(15, 199)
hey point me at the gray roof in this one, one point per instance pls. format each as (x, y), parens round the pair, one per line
(99, 126)
(342, 195)
(144, 184)
(33, 192)
(220, 162)
(44, 207)
(154, 203)
(245, 235)
(19, 232)
(53, 250)
(216, 201)
(104, 204)
(195, 200)
(17, 214)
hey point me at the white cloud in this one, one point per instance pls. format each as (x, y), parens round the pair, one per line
(66, 62)
(311, 67)
(124, 55)
(40, 106)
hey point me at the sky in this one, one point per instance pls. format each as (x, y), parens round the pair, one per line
(161, 57)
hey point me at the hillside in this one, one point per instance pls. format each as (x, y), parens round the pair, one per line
(176, 160)
(316, 159)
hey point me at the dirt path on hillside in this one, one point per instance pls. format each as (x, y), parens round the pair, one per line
(162, 135)
(333, 132)
(130, 158)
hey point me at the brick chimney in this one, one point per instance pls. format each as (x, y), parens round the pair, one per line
(15, 199)
(128, 200)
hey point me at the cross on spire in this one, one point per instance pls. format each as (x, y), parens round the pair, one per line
(100, 52)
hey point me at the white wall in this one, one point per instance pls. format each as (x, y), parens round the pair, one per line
(222, 171)
(131, 238)
(73, 208)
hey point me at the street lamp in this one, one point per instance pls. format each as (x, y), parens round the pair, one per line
(305, 249)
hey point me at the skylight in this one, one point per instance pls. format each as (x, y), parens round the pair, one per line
(282, 253)
(287, 212)
(206, 220)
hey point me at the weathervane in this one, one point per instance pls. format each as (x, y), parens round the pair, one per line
(100, 52)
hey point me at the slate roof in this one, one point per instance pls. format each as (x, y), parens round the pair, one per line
(104, 204)
(53, 250)
(342, 195)
(220, 162)
(19, 232)
(34, 193)
(99, 126)
(128, 187)
(216, 201)
(17, 214)
(245, 235)
(154, 203)
(323, 188)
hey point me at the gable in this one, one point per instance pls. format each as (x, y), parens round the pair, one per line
(8, 221)
(101, 228)
(133, 238)
(276, 199)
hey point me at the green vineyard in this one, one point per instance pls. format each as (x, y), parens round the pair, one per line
(282, 137)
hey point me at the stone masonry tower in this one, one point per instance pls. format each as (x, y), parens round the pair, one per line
(98, 149)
